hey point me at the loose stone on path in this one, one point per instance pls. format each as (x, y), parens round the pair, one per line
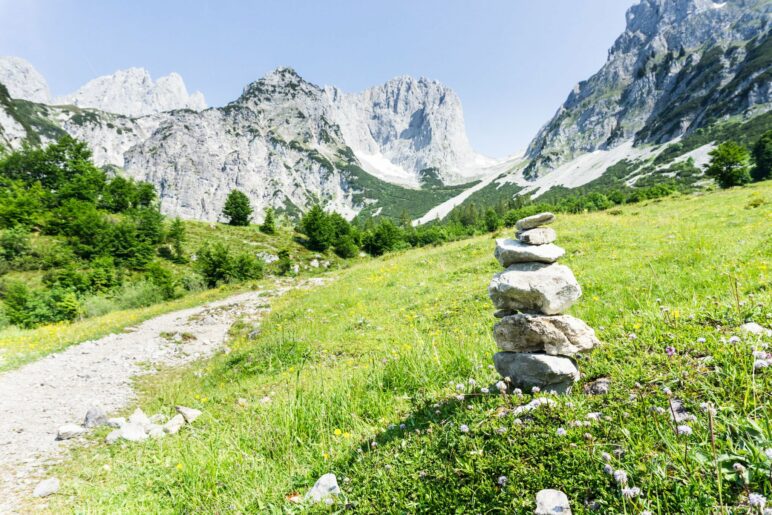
(552, 502)
(46, 487)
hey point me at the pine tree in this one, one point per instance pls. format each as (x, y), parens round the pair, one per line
(269, 223)
(237, 208)
(176, 237)
(762, 155)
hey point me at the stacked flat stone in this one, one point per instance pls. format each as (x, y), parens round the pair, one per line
(538, 344)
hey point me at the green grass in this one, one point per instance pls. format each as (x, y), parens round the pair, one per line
(386, 342)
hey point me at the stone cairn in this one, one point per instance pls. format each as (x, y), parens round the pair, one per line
(538, 344)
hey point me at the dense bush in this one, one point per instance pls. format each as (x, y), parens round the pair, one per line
(218, 266)
(729, 165)
(762, 157)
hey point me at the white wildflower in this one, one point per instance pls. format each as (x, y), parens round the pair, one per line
(684, 430)
(561, 431)
(768, 453)
(760, 364)
(608, 469)
(734, 339)
(535, 390)
(631, 492)
(701, 340)
(757, 500)
(606, 457)
(501, 386)
(620, 476)
(484, 390)
(502, 480)
(463, 428)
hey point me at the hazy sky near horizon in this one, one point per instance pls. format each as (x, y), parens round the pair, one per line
(512, 62)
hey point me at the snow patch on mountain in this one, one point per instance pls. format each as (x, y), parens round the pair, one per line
(23, 80)
(132, 92)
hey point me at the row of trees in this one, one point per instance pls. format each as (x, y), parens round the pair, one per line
(732, 164)
(94, 236)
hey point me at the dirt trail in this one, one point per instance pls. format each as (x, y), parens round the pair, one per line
(39, 397)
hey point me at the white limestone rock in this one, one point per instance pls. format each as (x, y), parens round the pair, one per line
(139, 418)
(46, 487)
(550, 373)
(324, 488)
(133, 432)
(174, 424)
(552, 502)
(535, 287)
(23, 80)
(560, 335)
(538, 236)
(132, 92)
(190, 414)
(534, 221)
(509, 252)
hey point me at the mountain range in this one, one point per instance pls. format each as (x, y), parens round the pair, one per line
(681, 67)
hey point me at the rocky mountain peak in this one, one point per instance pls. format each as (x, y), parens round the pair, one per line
(22, 80)
(132, 92)
(684, 53)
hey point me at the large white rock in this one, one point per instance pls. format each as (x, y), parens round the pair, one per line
(535, 287)
(558, 335)
(552, 502)
(531, 222)
(538, 236)
(133, 432)
(139, 418)
(174, 424)
(46, 487)
(68, 431)
(190, 414)
(550, 373)
(509, 252)
(325, 487)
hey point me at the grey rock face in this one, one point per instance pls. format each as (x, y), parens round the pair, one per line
(667, 48)
(68, 431)
(95, 416)
(46, 487)
(552, 502)
(23, 80)
(531, 222)
(190, 414)
(326, 486)
(535, 287)
(509, 252)
(550, 373)
(561, 335)
(538, 236)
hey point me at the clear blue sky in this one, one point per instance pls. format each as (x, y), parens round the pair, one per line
(512, 62)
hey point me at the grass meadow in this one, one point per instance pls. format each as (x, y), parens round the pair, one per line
(383, 376)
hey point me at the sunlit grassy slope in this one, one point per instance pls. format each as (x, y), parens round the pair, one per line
(336, 370)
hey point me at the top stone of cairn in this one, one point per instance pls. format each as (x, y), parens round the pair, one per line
(531, 222)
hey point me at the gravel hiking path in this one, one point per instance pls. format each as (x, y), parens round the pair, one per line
(39, 397)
